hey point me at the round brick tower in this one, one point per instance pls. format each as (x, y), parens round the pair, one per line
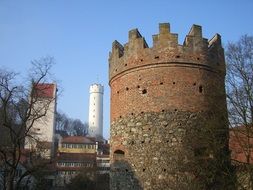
(168, 112)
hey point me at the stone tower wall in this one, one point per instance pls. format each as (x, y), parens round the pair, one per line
(162, 98)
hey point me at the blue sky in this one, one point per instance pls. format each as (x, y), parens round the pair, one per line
(79, 34)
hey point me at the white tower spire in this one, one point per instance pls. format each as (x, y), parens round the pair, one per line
(96, 110)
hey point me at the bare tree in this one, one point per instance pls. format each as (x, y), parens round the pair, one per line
(19, 111)
(239, 57)
(71, 126)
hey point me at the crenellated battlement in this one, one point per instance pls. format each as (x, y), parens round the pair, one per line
(196, 51)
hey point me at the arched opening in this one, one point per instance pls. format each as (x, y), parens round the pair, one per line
(118, 155)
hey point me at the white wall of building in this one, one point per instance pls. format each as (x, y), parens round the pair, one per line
(96, 110)
(43, 128)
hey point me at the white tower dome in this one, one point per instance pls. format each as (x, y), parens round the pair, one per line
(96, 110)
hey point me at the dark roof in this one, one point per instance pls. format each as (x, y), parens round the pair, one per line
(76, 157)
(103, 156)
(70, 168)
(79, 140)
(105, 148)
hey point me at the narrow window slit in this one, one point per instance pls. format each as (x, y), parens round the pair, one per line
(144, 91)
(200, 89)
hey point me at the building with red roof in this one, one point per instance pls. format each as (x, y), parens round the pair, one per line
(43, 102)
(79, 154)
(44, 90)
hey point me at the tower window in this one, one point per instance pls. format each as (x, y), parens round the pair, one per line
(144, 91)
(200, 89)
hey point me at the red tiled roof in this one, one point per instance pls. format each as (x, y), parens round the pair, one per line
(79, 140)
(76, 157)
(44, 90)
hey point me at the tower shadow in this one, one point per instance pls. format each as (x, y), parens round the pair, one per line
(122, 177)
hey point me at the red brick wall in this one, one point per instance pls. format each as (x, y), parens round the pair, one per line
(167, 87)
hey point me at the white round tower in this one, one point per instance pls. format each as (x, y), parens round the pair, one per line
(96, 110)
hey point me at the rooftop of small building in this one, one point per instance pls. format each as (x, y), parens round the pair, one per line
(78, 140)
(76, 157)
